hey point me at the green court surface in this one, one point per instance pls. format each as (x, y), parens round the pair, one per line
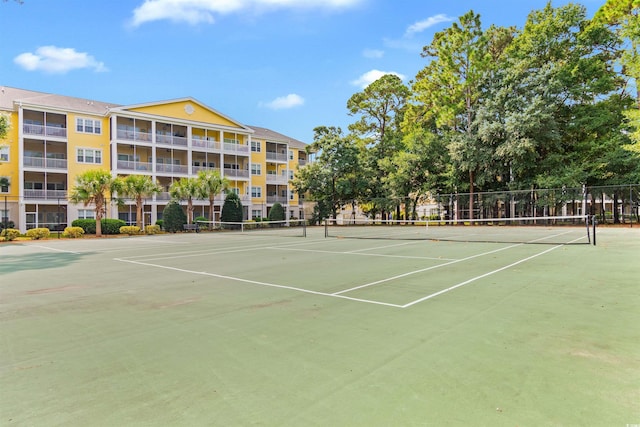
(243, 329)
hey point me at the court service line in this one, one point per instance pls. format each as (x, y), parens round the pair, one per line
(382, 247)
(255, 282)
(466, 282)
(361, 254)
(422, 270)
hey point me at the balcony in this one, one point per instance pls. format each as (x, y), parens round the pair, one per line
(176, 141)
(236, 148)
(283, 200)
(133, 135)
(302, 162)
(207, 144)
(276, 179)
(197, 169)
(134, 166)
(41, 130)
(169, 168)
(45, 194)
(236, 173)
(42, 163)
(276, 157)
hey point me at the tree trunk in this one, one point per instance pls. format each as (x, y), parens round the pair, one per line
(139, 212)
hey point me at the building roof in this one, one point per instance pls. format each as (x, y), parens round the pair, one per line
(272, 136)
(10, 96)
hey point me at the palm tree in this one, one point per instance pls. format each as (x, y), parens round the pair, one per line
(211, 184)
(185, 189)
(138, 187)
(91, 187)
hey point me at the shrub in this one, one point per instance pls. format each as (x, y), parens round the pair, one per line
(232, 210)
(173, 217)
(129, 229)
(73, 232)
(109, 226)
(159, 223)
(152, 229)
(38, 233)
(112, 226)
(200, 219)
(10, 234)
(276, 213)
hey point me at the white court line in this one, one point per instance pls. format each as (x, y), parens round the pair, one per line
(360, 254)
(255, 282)
(466, 282)
(422, 270)
(55, 250)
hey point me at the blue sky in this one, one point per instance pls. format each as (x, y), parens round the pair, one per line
(288, 65)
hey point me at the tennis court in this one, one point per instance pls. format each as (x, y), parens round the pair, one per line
(271, 328)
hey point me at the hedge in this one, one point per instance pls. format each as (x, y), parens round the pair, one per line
(38, 233)
(109, 226)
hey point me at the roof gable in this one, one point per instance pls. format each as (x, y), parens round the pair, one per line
(187, 109)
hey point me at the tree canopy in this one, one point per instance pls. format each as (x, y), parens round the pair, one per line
(552, 104)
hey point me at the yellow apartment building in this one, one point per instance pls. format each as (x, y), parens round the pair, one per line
(52, 138)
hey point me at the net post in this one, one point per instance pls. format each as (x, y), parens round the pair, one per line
(326, 228)
(595, 222)
(304, 228)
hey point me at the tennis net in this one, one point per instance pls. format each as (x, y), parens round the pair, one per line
(287, 228)
(563, 230)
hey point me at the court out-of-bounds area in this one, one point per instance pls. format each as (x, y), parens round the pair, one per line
(255, 328)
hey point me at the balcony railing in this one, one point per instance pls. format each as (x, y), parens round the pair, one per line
(236, 173)
(302, 162)
(164, 195)
(56, 131)
(277, 199)
(208, 144)
(133, 135)
(41, 162)
(236, 148)
(134, 166)
(278, 157)
(276, 179)
(197, 169)
(179, 141)
(172, 168)
(45, 194)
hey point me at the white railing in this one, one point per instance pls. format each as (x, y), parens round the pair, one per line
(236, 173)
(137, 166)
(179, 141)
(172, 168)
(236, 148)
(277, 199)
(131, 135)
(41, 162)
(57, 131)
(209, 144)
(45, 194)
(279, 157)
(276, 179)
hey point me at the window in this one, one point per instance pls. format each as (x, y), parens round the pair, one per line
(290, 175)
(88, 126)
(86, 214)
(290, 154)
(256, 213)
(256, 191)
(255, 146)
(4, 154)
(4, 188)
(88, 155)
(256, 169)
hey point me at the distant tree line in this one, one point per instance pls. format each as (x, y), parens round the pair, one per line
(555, 103)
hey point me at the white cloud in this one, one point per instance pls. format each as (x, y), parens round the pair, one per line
(371, 76)
(203, 11)
(373, 53)
(420, 26)
(52, 59)
(284, 102)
